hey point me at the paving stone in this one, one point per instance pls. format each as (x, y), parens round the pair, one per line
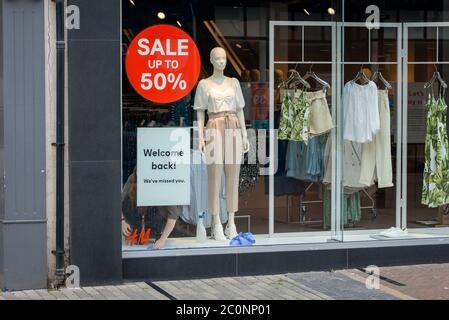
(105, 293)
(83, 293)
(170, 288)
(17, 295)
(93, 293)
(269, 292)
(132, 292)
(142, 285)
(117, 292)
(58, 295)
(129, 292)
(339, 286)
(45, 295)
(227, 285)
(32, 295)
(69, 294)
(146, 293)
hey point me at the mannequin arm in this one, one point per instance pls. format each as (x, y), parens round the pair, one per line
(242, 123)
(201, 116)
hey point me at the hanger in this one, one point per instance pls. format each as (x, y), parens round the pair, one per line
(436, 76)
(378, 75)
(284, 83)
(299, 80)
(313, 75)
(294, 79)
(361, 75)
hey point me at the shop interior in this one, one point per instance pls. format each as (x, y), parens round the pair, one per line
(302, 211)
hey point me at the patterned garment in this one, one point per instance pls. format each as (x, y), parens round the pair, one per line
(286, 122)
(301, 107)
(436, 169)
(294, 123)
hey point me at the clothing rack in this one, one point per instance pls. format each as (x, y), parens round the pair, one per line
(373, 204)
(303, 209)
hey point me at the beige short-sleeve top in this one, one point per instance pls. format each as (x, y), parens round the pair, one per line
(213, 97)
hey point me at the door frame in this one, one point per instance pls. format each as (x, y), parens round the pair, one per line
(399, 119)
(336, 230)
(406, 63)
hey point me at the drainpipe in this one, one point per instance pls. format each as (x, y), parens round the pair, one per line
(60, 144)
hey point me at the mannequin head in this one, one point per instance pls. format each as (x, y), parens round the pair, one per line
(218, 58)
(278, 76)
(367, 71)
(255, 75)
(246, 75)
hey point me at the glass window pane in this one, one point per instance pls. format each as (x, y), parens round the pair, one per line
(443, 44)
(230, 21)
(384, 45)
(288, 43)
(317, 43)
(356, 44)
(422, 44)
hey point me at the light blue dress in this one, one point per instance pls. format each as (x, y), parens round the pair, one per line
(198, 194)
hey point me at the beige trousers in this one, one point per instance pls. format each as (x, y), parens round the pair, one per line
(376, 155)
(223, 151)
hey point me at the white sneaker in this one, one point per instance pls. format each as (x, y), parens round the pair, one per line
(231, 231)
(387, 232)
(394, 233)
(217, 233)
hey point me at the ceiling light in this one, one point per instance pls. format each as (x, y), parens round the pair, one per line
(132, 2)
(238, 45)
(307, 12)
(331, 11)
(179, 23)
(161, 15)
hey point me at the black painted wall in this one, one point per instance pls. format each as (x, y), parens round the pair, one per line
(94, 97)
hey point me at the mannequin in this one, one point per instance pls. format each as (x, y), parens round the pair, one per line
(225, 135)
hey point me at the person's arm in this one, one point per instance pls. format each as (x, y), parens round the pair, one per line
(126, 228)
(169, 226)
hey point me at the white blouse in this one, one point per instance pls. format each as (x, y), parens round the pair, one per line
(215, 98)
(361, 120)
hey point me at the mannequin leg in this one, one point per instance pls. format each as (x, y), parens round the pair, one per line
(216, 219)
(233, 155)
(214, 160)
(214, 182)
(231, 216)
(232, 174)
(231, 229)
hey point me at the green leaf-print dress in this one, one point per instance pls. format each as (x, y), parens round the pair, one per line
(294, 123)
(436, 169)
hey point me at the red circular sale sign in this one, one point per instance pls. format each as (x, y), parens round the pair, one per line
(163, 64)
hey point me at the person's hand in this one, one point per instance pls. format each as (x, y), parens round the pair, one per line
(245, 144)
(126, 228)
(159, 244)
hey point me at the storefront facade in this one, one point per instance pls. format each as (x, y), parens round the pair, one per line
(320, 199)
